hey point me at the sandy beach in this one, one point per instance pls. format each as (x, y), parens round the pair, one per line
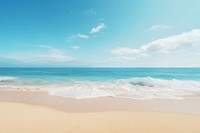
(23, 118)
(25, 111)
(99, 66)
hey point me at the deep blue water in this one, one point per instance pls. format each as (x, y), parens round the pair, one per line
(102, 74)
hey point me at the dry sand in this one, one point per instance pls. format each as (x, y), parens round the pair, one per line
(25, 118)
(36, 112)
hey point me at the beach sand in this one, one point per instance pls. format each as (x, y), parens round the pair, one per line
(36, 112)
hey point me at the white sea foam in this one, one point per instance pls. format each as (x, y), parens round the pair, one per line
(133, 88)
(7, 79)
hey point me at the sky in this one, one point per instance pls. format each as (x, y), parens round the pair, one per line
(99, 33)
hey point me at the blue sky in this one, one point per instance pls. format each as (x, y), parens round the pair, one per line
(100, 33)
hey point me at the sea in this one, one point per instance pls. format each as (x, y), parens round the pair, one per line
(131, 83)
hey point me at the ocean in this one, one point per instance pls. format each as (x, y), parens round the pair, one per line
(132, 83)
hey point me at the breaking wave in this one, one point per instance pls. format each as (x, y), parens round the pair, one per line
(7, 79)
(133, 88)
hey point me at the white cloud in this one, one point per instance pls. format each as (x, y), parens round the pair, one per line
(128, 53)
(158, 27)
(75, 47)
(166, 45)
(83, 36)
(98, 28)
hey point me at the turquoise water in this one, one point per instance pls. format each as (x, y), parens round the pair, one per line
(135, 83)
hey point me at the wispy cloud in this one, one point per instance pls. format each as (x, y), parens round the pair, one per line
(166, 45)
(90, 12)
(75, 47)
(45, 46)
(49, 55)
(98, 28)
(71, 38)
(83, 36)
(157, 27)
(54, 54)
(6, 61)
(94, 30)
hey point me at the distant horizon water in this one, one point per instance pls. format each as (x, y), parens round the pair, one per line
(90, 82)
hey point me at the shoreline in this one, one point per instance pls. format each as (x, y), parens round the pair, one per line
(188, 105)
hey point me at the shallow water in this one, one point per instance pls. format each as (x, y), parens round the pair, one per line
(134, 83)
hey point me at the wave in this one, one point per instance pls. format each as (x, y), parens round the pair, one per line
(133, 88)
(7, 79)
